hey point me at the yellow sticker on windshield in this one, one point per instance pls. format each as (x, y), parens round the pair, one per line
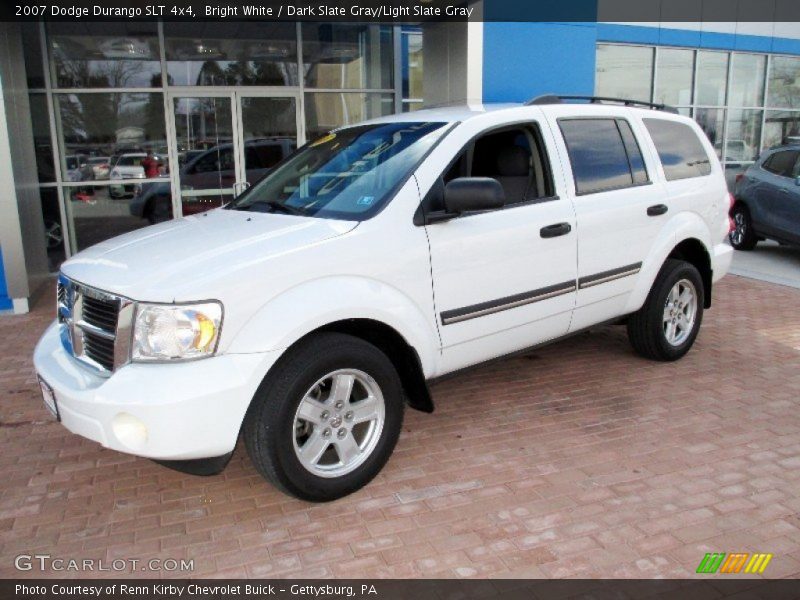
(324, 140)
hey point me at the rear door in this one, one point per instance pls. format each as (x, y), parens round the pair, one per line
(619, 210)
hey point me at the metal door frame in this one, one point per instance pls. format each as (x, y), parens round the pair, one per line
(235, 97)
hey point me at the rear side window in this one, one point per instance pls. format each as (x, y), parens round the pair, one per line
(604, 154)
(681, 153)
(781, 163)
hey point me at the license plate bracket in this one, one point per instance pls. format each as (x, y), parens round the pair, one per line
(49, 398)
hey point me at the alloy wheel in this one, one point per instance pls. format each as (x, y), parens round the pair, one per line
(680, 312)
(338, 423)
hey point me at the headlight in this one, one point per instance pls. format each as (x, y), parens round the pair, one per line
(166, 332)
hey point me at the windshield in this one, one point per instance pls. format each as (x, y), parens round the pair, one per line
(349, 174)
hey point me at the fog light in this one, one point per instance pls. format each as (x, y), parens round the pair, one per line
(130, 431)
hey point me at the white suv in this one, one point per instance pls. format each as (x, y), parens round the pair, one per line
(306, 313)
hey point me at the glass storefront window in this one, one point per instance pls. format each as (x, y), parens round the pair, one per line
(32, 52)
(624, 71)
(328, 110)
(712, 73)
(231, 53)
(412, 65)
(95, 213)
(345, 56)
(674, 76)
(53, 228)
(712, 121)
(747, 79)
(112, 55)
(42, 142)
(780, 127)
(743, 135)
(97, 126)
(783, 90)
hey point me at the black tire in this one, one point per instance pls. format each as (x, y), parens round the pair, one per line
(269, 426)
(743, 237)
(646, 326)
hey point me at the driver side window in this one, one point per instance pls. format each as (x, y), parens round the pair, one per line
(514, 156)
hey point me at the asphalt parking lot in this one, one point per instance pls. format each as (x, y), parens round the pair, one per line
(577, 460)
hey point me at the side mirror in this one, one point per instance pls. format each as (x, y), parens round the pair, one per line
(466, 194)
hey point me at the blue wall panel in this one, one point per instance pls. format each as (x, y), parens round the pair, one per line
(5, 301)
(634, 34)
(522, 60)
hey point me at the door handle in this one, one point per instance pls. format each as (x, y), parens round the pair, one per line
(656, 209)
(556, 230)
(784, 191)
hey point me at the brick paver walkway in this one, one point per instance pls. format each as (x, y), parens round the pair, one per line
(579, 459)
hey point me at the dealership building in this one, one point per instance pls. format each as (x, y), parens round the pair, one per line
(218, 103)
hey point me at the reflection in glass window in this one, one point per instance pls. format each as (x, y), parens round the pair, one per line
(349, 174)
(53, 228)
(32, 52)
(42, 145)
(712, 73)
(747, 79)
(781, 127)
(597, 154)
(215, 53)
(329, 110)
(412, 65)
(674, 76)
(107, 124)
(743, 135)
(712, 122)
(783, 90)
(96, 214)
(347, 56)
(681, 153)
(624, 71)
(87, 55)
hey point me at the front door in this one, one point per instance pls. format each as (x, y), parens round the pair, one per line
(222, 142)
(504, 279)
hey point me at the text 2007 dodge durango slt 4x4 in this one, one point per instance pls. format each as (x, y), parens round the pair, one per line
(306, 313)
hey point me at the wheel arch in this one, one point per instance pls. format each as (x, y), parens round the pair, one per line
(402, 355)
(686, 237)
(694, 252)
(365, 308)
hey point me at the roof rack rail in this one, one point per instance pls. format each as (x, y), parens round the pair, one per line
(557, 99)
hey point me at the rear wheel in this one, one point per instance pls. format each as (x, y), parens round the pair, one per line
(327, 417)
(667, 325)
(742, 237)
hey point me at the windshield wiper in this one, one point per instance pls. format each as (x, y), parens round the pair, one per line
(276, 206)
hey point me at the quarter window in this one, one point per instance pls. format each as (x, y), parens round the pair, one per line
(681, 153)
(603, 153)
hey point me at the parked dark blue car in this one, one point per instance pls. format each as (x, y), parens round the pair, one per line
(767, 200)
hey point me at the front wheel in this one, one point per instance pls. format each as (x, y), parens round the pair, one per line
(326, 419)
(666, 326)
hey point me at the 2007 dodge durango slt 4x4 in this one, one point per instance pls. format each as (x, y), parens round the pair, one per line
(306, 313)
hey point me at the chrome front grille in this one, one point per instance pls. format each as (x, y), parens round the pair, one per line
(95, 325)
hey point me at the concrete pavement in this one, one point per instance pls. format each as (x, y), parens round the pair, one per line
(770, 262)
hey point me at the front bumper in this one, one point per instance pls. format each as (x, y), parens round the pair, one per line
(176, 411)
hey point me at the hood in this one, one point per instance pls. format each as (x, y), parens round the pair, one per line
(166, 261)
